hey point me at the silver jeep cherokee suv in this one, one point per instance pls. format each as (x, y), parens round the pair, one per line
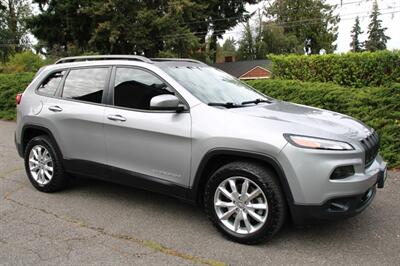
(182, 128)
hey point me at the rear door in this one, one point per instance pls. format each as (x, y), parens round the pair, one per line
(153, 145)
(77, 115)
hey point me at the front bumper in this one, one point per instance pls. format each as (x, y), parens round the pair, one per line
(309, 172)
(317, 196)
(333, 209)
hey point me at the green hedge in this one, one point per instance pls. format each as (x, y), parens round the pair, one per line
(10, 85)
(378, 107)
(350, 69)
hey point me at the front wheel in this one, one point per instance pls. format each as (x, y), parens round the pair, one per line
(245, 202)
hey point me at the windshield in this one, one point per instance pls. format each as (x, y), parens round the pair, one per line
(213, 86)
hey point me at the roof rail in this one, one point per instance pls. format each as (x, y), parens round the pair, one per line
(103, 57)
(178, 60)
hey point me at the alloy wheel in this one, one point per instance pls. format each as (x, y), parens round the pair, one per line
(241, 205)
(41, 165)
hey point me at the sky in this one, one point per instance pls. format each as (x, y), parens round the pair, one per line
(390, 16)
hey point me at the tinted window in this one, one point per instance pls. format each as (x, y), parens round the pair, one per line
(50, 84)
(85, 84)
(134, 88)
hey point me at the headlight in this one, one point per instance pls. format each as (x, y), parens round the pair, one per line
(317, 143)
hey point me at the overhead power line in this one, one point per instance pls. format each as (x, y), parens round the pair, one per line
(262, 8)
(293, 23)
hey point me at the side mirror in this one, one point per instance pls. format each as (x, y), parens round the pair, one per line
(166, 102)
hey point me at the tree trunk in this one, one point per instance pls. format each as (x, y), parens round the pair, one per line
(12, 25)
(213, 48)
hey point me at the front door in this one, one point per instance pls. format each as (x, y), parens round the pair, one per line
(145, 143)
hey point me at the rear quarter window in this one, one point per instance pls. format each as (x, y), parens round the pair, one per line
(50, 84)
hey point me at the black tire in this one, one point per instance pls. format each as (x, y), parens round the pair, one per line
(59, 179)
(266, 180)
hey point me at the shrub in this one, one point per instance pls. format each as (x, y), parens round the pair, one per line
(350, 69)
(10, 85)
(378, 107)
(23, 62)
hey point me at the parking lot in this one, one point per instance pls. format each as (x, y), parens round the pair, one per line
(94, 222)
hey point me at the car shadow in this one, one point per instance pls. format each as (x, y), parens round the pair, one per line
(170, 208)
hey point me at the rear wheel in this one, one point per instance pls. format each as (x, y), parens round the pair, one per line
(43, 165)
(244, 201)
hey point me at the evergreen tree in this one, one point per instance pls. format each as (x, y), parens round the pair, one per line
(356, 45)
(229, 45)
(376, 33)
(306, 20)
(153, 28)
(13, 30)
(246, 49)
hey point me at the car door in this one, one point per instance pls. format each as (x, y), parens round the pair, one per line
(77, 115)
(146, 144)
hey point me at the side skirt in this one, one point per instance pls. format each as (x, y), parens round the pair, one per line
(124, 177)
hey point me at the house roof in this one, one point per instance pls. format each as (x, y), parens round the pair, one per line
(239, 68)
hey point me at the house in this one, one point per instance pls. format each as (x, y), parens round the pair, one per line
(252, 69)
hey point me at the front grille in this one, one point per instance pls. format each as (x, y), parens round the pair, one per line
(371, 147)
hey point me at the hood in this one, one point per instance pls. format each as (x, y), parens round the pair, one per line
(308, 118)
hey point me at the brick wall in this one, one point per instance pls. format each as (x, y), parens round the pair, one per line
(257, 72)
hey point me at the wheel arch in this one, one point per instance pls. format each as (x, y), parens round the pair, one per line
(215, 158)
(30, 131)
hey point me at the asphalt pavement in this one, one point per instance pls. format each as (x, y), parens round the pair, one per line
(98, 223)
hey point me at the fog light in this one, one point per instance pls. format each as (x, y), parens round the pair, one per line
(342, 172)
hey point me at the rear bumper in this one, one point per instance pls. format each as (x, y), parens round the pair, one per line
(333, 209)
(18, 146)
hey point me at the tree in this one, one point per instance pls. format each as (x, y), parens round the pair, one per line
(277, 42)
(227, 49)
(251, 45)
(153, 28)
(229, 45)
(221, 16)
(306, 19)
(63, 27)
(356, 45)
(376, 33)
(266, 38)
(13, 30)
(246, 49)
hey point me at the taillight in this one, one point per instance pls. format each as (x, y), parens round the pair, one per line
(18, 98)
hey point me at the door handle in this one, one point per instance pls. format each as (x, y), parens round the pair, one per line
(55, 108)
(116, 118)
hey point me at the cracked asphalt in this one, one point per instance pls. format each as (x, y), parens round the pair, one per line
(97, 223)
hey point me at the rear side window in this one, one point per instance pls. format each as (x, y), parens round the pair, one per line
(85, 84)
(50, 84)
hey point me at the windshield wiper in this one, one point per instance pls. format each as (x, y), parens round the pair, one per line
(257, 101)
(226, 105)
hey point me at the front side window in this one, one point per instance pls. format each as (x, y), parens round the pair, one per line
(134, 88)
(85, 84)
(50, 84)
